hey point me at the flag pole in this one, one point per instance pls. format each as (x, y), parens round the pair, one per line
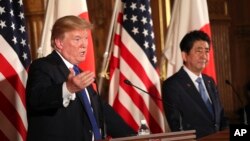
(50, 5)
(107, 52)
(167, 14)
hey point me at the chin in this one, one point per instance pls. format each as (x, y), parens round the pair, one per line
(82, 57)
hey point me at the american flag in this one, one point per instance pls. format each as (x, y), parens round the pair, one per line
(133, 58)
(14, 59)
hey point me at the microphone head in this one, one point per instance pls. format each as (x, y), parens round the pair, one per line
(127, 82)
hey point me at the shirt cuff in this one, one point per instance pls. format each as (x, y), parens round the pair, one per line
(67, 95)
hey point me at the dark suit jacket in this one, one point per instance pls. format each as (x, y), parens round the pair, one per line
(184, 101)
(48, 120)
(116, 127)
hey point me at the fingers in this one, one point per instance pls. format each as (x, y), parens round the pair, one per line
(71, 73)
(85, 78)
(78, 82)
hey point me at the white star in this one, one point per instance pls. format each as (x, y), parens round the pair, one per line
(20, 2)
(22, 28)
(149, 10)
(25, 56)
(2, 10)
(23, 42)
(145, 32)
(134, 18)
(153, 47)
(146, 44)
(125, 17)
(21, 15)
(152, 35)
(154, 59)
(2, 24)
(144, 20)
(133, 6)
(13, 26)
(11, 13)
(151, 22)
(142, 7)
(135, 30)
(14, 40)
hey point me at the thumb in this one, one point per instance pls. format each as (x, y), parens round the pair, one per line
(71, 73)
(69, 82)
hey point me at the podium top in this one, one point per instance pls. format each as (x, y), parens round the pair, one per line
(218, 136)
(170, 136)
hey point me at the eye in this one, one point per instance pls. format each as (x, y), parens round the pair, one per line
(198, 50)
(77, 39)
(86, 37)
(207, 50)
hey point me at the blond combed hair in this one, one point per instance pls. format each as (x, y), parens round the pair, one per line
(66, 24)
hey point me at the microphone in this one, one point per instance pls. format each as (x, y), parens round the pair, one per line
(234, 90)
(126, 81)
(131, 84)
(241, 102)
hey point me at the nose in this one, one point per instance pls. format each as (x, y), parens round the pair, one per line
(204, 52)
(204, 55)
(85, 43)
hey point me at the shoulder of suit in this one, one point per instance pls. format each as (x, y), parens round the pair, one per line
(52, 59)
(206, 76)
(208, 79)
(175, 78)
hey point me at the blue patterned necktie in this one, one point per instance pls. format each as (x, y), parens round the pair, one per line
(204, 95)
(88, 108)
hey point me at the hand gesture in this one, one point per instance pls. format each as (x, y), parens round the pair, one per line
(80, 81)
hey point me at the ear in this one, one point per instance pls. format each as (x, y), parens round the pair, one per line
(58, 43)
(184, 56)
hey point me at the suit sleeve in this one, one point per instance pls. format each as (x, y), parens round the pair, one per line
(171, 102)
(44, 90)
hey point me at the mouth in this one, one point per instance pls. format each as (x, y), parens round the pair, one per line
(203, 61)
(83, 53)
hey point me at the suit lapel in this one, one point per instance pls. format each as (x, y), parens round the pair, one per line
(212, 95)
(65, 72)
(192, 91)
(60, 64)
(189, 87)
(63, 69)
(93, 102)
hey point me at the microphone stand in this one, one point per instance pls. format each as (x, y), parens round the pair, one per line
(157, 98)
(241, 102)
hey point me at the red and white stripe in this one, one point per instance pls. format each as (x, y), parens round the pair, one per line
(187, 16)
(13, 77)
(129, 61)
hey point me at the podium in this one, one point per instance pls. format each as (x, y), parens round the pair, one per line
(219, 136)
(170, 136)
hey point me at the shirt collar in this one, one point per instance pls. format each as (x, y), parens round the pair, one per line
(67, 63)
(191, 74)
